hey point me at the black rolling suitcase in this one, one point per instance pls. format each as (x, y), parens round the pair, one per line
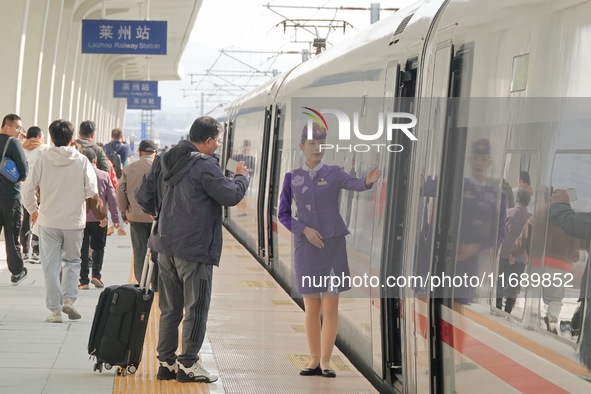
(120, 322)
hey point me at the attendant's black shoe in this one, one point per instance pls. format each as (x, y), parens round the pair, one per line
(328, 373)
(311, 371)
(166, 371)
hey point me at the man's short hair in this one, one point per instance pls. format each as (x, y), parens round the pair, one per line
(203, 128)
(116, 134)
(523, 196)
(10, 118)
(61, 132)
(87, 128)
(34, 132)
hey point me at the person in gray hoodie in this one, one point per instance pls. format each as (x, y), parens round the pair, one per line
(185, 190)
(65, 179)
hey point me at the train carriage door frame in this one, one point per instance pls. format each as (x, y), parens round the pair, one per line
(379, 341)
(262, 199)
(454, 70)
(272, 193)
(227, 153)
(400, 88)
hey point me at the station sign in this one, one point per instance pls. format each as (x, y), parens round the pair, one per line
(124, 37)
(146, 103)
(135, 88)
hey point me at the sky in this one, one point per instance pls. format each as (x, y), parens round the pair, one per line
(240, 27)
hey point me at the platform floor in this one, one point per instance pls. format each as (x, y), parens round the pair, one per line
(255, 336)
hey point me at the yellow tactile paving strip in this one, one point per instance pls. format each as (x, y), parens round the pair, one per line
(144, 380)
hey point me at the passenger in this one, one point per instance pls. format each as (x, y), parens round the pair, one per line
(576, 224)
(65, 179)
(523, 182)
(112, 174)
(86, 133)
(482, 224)
(511, 267)
(245, 156)
(34, 148)
(185, 190)
(510, 193)
(11, 210)
(140, 222)
(482, 230)
(118, 145)
(560, 251)
(319, 241)
(118, 153)
(95, 232)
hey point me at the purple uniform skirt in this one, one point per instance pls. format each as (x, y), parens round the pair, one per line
(315, 267)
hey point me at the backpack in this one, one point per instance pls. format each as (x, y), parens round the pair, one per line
(116, 160)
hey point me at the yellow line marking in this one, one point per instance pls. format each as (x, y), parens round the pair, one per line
(144, 380)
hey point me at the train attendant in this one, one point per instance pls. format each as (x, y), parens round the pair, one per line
(319, 240)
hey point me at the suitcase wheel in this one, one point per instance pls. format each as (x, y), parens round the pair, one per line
(108, 366)
(131, 369)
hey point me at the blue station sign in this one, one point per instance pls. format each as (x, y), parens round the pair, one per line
(124, 37)
(135, 88)
(146, 103)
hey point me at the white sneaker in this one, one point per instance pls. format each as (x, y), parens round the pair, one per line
(69, 310)
(54, 317)
(194, 373)
(33, 259)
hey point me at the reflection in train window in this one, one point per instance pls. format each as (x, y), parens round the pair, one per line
(564, 254)
(520, 179)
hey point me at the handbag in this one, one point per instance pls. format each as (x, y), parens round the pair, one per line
(8, 166)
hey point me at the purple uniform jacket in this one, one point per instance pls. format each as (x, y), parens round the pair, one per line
(317, 200)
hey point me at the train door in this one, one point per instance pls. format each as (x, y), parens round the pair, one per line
(383, 351)
(388, 239)
(226, 153)
(438, 111)
(263, 194)
(271, 194)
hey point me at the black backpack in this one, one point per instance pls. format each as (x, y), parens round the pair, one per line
(116, 160)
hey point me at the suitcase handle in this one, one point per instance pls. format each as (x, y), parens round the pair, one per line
(147, 272)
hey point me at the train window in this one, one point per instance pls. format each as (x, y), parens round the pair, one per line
(520, 68)
(520, 179)
(565, 255)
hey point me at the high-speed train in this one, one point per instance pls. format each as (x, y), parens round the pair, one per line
(497, 88)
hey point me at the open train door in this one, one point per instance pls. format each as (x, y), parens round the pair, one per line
(263, 203)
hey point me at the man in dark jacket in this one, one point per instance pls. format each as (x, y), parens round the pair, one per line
(11, 210)
(185, 190)
(86, 140)
(576, 224)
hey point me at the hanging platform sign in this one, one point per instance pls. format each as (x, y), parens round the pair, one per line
(124, 37)
(135, 88)
(147, 103)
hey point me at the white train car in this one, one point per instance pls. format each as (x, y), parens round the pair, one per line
(506, 76)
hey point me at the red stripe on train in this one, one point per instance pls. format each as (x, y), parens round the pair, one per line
(498, 364)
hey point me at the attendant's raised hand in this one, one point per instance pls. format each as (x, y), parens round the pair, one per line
(373, 176)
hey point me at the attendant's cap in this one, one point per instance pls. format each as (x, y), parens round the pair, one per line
(147, 146)
(318, 133)
(481, 147)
